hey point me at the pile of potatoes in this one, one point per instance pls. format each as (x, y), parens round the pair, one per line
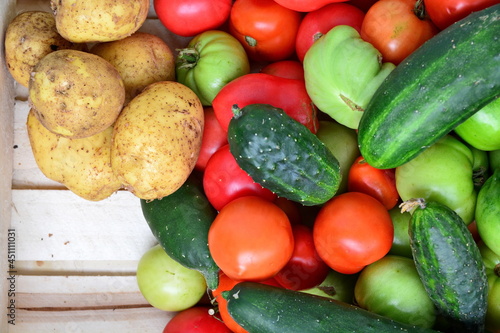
(105, 110)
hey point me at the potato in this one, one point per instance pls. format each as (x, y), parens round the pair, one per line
(76, 94)
(141, 59)
(99, 20)
(157, 139)
(29, 37)
(82, 165)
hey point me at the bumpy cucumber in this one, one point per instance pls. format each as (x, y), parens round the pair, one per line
(440, 85)
(488, 212)
(283, 155)
(449, 264)
(180, 223)
(261, 308)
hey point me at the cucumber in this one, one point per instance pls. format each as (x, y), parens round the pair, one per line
(449, 264)
(180, 223)
(260, 308)
(283, 155)
(488, 212)
(437, 87)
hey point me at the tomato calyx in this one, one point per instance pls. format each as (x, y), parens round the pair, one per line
(188, 57)
(251, 41)
(420, 11)
(496, 270)
(410, 204)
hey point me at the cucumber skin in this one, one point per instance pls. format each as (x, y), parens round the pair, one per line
(450, 266)
(180, 223)
(260, 308)
(283, 155)
(437, 87)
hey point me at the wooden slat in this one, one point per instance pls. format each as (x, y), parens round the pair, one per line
(76, 267)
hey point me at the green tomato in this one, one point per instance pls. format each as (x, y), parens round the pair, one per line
(492, 262)
(336, 286)
(166, 284)
(343, 143)
(443, 173)
(482, 130)
(211, 60)
(391, 287)
(494, 157)
(488, 212)
(401, 241)
(342, 72)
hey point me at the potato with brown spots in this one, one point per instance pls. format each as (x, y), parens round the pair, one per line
(29, 37)
(82, 165)
(82, 21)
(76, 94)
(141, 59)
(157, 139)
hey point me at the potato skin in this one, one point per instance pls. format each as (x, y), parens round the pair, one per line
(29, 37)
(141, 59)
(82, 165)
(76, 94)
(99, 20)
(157, 139)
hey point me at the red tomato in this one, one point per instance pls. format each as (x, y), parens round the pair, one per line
(196, 320)
(291, 208)
(224, 180)
(446, 12)
(352, 230)
(266, 29)
(393, 28)
(305, 5)
(305, 269)
(379, 183)
(288, 69)
(191, 17)
(214, 137)
(317, 23)
(251, 239)
(364, 5)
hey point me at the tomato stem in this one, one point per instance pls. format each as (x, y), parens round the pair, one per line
(188, 57)
(410, 204)
(419, 10)
(497, 270)
(251, 41)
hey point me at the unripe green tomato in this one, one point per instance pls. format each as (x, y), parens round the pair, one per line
(492, 263)
(401, 242)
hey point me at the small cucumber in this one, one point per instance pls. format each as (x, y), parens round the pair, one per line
(283, 155)
(180, 223)
(260, 308)
(449, 264)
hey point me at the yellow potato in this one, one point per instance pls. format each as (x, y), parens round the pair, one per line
(29, 37)
(157, 139)
(76, 94)
(82, 165)
(82, 21)
(141, 59)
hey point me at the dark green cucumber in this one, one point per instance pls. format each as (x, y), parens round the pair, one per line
(180, 223)
(261, 308)
(488, 212)
(283, 155)
(449, 264)
(437, 87)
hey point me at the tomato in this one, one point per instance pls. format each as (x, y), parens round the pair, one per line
(380, 184)
(166, 284)
(196, 320)
(224, 180)
(214, 137)
(393, 27)
(291, 209)
(305, 5)
(401, 241)
(336, 286)
(199, 65)
(446, 12)
(364, 5)
(317, 23)
(251, 239)
(391, 287)
(288, 69)
(444, 173)
(190, 17)
(492, 262)
(305, 269)
(266, 29)
(352, 230)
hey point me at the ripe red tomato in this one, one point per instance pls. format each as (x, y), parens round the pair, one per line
(214, 137)
(291, 208)
(379, 183)
(251, 239)
(289, 69)
(317, 23)
(266, 29)
(352, 230)
(393, 28)
(190, 17)
(305, 5)
(305, 269)
(195, 320)
(224, 180)
(446, 12)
